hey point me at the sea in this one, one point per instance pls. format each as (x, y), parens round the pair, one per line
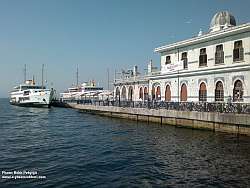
(61, 147)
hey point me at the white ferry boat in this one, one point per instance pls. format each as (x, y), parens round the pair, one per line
(79, 92)
(29, 94)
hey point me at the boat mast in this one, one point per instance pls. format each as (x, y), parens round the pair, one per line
(42, 74)
(77, 76)
(24, 72)
(108, 77)
(33, 80)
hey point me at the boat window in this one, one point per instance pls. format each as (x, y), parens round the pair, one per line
(17, 88)
(93, 89)
(73, 90)
(26, 92)
(32, 87)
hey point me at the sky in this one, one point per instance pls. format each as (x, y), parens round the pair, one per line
(96, 36)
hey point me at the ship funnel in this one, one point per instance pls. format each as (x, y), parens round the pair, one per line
(135, 70)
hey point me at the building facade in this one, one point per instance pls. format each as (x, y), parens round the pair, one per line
(212, 67)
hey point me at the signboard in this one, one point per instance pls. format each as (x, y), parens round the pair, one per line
(172, 67)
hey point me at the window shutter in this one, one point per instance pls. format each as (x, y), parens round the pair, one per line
(235, 54)
(200, 60)
(205, 60)
(219, 57)
(241, 53)
(222, 56)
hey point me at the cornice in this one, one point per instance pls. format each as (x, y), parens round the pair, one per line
(206, 37)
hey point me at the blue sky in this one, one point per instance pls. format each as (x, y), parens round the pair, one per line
(96, 35)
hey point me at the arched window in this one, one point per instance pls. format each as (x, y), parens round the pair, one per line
(158, 93)
(203, 92)
(130, 93)
(167, 93)
(141, 93)
(145, 93)
(219, 91)
(124, 93)
(183, 92)
(117, 94)
(238, 91)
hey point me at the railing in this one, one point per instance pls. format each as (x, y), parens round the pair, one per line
(219, 57)
(136, 78)
(242, 108)
(238, 54)
(203, 60)
(131, 79)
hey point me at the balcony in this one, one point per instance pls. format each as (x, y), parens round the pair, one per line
(219, 57)
(203, 60)
(238, 54)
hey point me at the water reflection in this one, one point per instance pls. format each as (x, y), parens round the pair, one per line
(80, 150)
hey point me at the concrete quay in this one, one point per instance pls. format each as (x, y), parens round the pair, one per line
(213, 121)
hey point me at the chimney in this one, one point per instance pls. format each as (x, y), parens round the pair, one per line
(150, 66)
(135, 70)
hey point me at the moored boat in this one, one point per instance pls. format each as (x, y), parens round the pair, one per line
(31, 95)
(76, 93)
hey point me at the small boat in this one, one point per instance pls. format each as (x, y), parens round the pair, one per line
(84, 91)
(31, 95)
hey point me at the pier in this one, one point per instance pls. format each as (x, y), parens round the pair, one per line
(222, 117)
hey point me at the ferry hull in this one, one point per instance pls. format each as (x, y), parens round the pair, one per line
(31, 104)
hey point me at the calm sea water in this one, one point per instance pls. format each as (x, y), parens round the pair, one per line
(74, 149)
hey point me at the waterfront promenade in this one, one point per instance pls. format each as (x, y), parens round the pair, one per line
(219, 117)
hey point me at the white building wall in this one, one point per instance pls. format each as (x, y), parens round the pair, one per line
(194, 75)
(193, 51)
(193, 85)
(193, 82)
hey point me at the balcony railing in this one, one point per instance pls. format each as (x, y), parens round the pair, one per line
(219, 57)
(203, 60)
(238, 54)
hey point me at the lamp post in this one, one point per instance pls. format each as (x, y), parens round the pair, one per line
(178, 78)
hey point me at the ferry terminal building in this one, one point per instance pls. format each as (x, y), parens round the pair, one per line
(212, 67)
